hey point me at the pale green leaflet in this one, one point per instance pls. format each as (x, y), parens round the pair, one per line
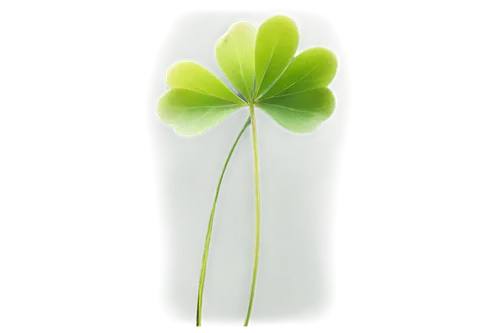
(262, 65)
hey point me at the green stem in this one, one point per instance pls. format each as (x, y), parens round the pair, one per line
(257, 210)
(209, 232)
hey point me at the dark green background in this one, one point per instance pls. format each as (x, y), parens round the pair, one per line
(299, 176)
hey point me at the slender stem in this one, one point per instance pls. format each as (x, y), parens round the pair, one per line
(209, 232)
(257, 210)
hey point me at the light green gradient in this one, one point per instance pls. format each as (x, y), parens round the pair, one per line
(259, 64)
(235, 55)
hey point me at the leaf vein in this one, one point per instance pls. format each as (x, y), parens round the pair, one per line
(205, 92)
(290, 94)
(270, 58)
(300, 79)
(241, 72)
(294, 109)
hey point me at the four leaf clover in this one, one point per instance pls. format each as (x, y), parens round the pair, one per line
(261, 66)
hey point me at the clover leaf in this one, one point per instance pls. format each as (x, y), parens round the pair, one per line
(262, 66)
